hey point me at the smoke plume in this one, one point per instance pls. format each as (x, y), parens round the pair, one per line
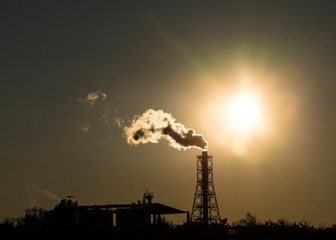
(93, 97)
(153, 125)
(45, 192)
(119, 121)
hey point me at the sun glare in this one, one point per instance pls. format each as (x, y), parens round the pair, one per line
(238, 116)
(243, 112)
(238, 110)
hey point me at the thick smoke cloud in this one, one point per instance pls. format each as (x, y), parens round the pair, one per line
(153, 125)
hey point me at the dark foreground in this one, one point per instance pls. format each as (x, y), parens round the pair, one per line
(178, 232)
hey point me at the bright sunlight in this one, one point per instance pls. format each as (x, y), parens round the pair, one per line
(244, 113)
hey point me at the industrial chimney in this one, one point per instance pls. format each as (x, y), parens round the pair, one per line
(205, 207)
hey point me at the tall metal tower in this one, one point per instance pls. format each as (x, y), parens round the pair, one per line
(205, 207)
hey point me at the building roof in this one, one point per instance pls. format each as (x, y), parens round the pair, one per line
(152, 208)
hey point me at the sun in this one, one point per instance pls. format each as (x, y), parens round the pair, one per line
(239, 112)
(244, 113)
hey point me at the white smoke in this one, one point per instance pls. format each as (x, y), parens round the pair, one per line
(153, 125)
(119, 121)
(93, 97)
(34, 188)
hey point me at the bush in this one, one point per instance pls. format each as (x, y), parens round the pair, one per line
(34, 217)
(249, 220)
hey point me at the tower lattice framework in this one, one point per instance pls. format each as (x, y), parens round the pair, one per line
(205, 208)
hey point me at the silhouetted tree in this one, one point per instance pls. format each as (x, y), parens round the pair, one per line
(283, 223)
(33, 217)
(269, 223)
(305, 224)
(10, 221)
(249, 220)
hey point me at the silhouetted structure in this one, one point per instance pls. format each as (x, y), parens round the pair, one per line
(205, 207)
(68, 215)
(147, 196)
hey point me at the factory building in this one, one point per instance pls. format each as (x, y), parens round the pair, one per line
(68, 214)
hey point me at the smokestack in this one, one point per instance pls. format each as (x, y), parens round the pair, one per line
(205, 208)
(205, 185)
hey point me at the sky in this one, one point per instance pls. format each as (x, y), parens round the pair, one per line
(188, 59)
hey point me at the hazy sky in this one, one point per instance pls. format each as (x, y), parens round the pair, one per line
(185, 58)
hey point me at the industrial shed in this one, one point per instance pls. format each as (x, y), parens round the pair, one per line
(68, 214)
